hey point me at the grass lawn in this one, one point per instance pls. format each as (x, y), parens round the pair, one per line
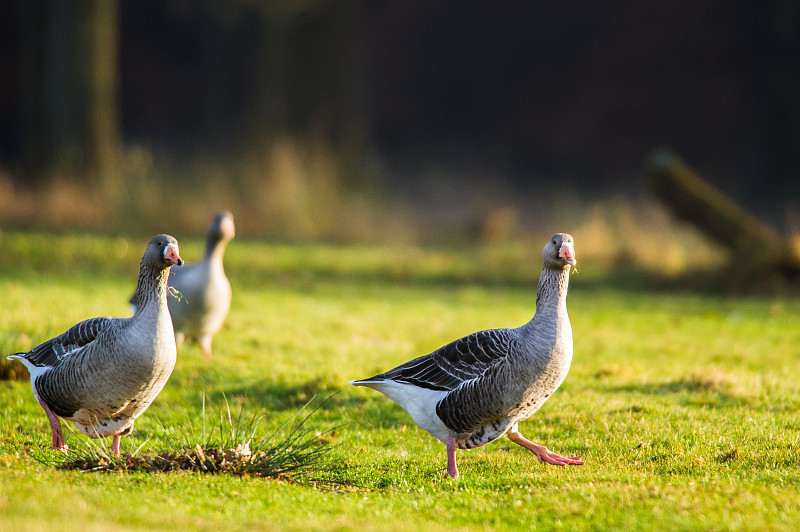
(684, 406)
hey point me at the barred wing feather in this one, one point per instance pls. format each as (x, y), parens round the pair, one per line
(53, 352)
(462, 360)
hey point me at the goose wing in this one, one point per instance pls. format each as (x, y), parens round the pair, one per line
(55, 351)
(462, 360)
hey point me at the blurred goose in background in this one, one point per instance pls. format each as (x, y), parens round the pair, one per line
(475, 389)
(103, 373)
(204, 292)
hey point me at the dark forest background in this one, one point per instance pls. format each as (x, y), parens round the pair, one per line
(347, 118)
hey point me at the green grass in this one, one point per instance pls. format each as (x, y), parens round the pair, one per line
(685, 406)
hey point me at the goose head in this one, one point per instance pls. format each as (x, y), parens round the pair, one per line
(222, 227)
(162, 252)
(559, 252)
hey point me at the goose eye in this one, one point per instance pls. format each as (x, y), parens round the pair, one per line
(555, 243)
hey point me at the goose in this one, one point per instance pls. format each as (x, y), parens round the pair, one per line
(476, 389)
(204, 292)
(103, 373)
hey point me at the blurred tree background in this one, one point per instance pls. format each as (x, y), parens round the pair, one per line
(359, 120)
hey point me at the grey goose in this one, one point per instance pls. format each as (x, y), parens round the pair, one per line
(473, 390)
(104, 372)
(203, 296)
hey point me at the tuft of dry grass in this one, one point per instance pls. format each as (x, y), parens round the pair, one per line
(231, 447)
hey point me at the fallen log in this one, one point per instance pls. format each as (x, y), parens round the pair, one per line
(754, 244)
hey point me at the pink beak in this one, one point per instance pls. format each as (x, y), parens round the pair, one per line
(567, 253)
(227, 228)
(172, 256)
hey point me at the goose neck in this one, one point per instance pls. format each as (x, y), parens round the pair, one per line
(151, 287)
(552, 289)
(215, 250)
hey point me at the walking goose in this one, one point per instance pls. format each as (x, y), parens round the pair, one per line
(103, 373)
(204, 291)
(475, 389)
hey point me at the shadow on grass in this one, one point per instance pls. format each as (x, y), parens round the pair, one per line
(327, 396)
(694, 391)
(281, 396)
(631, 410)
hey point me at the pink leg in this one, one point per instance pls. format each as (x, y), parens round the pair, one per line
(452, 468)
(543, 453)
(205, 346)
(55, 426)
(115, 444)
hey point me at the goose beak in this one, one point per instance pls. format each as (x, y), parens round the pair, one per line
(567, 252)
(172, 256)
(228, 230)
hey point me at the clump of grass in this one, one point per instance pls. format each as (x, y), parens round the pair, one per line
(290, 453)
